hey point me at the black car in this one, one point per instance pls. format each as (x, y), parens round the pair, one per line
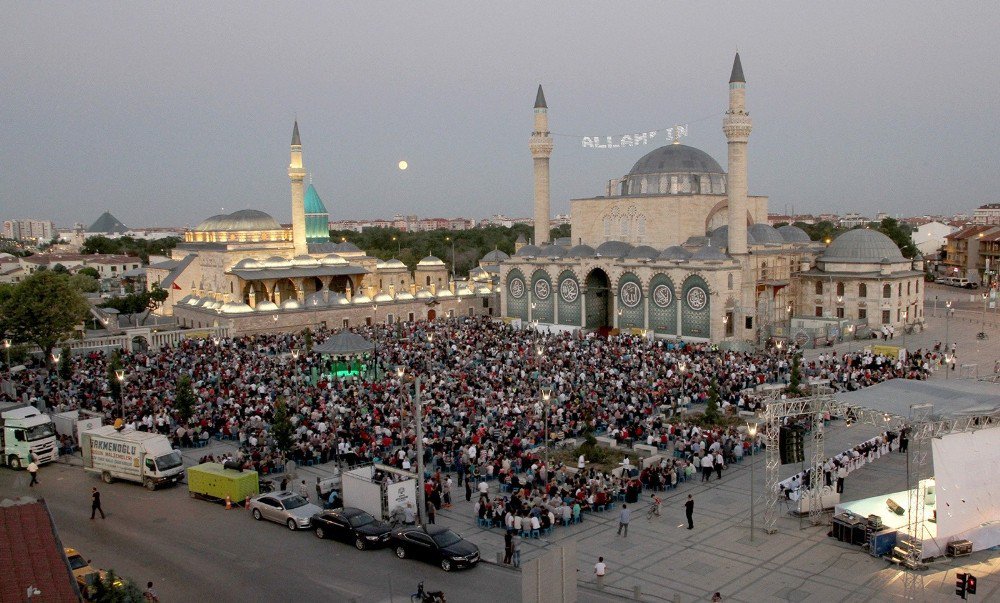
(351, 525)
(434, 544)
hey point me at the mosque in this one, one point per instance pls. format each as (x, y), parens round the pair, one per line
(677, 248)
(250, 273)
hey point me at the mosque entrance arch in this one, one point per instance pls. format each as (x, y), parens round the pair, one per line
(431, 314)
(598, 299)
(140, 344)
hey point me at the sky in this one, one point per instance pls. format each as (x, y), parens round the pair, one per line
(167, 113)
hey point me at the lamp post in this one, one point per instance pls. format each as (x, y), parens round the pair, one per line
(947, 325)
(850, 342)
(120, 375)
(986, 296)
(680, 369)
(6, 345)
(421, 510)
(398, 244)
(55, 361)
(905, 314)
(752, 430)
(546, 396)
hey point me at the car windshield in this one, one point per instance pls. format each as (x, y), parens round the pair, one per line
(294, 502)
(169, 461)
(361, 519)
(76, 562)
(39, 432)
(446, 538)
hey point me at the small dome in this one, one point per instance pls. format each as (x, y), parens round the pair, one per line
(614, 249)
(430, 261)
(392, 264)
(211, 304)
(643, 252)
(332, 260)
(581, 251)
(191, 300)
(675, 254)
(793, 234)
(337, 299)
(404, 296)
(361, 299)
(708, 254)
(483, 290)
(346, 247)
(266, 306)
(529, 251)
(464, 291)
(424, 294)
(765, 234)
(495, 256)
(276, 262)
(720, 237)
(247, 264)
(862, 245)
(315, 299)
(304, 260)
(235, 308)
(290, 304)
(445, 293)
(553, 251)
(383, 297)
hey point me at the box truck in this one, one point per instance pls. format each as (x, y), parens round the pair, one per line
(26, 431)
(137, 456)
(212, 481)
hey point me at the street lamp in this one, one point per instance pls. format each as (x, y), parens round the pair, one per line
(905, 314)
(752, 430)
(680, 369)
(55, 358)
(850, 342)
(398, 244)
(120, 374)
(947, 327)
(421, 510)
(985, 297)
(546, 395)
(6, 345)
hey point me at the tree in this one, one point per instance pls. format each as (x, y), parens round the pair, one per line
(65, 366)
(184, 398)
(112, 588)
(712, 406)
(559, 232)
(43, 309)
(90, 271)
(281, 427)
(795, 377)
(900, 235)
(307, 336)
(60, 269)
(85, 283)
(155, 298)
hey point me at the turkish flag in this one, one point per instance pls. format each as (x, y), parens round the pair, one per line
(175, 286)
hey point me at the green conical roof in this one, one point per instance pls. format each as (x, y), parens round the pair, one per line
(314, 205)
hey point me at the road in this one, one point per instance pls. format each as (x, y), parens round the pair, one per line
(193, 550)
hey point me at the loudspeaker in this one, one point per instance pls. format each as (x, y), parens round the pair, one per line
(791, 445)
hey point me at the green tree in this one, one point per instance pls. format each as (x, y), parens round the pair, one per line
(65, 363)
(307, 336)
(90, 271)
(112, 588)
(795, 377)
(60, 269)
(85, 283)
(900, 235)
(281, 427)
(559, 232)
(712, 406)
(43, 309)
(184, 398)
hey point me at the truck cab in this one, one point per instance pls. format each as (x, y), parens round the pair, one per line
(26, 433)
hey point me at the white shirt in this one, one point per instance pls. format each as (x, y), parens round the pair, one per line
(600, 568)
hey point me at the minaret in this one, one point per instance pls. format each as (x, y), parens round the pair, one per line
(541, 148)
(737, 126)
(297, 175)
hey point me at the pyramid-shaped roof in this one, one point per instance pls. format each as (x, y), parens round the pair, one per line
(314, 205)
(108, 224)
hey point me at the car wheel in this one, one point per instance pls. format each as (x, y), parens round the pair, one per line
(150, 484)
(15, 462)
(446, 565)
(401, 552)
(291, 525)
(320, 533)
(256, 514)
(106, 476)
(359, 543)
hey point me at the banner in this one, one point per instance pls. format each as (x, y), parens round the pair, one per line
(619, 141)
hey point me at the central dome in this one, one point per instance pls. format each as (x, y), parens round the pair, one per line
(862, 246)
(675, 169)
(243, 220)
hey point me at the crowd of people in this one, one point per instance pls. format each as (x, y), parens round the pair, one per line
(481, 380)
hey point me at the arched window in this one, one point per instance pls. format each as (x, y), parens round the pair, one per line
(840, 289)
(887, 291)
(908, 288)
(428, 280)
(862, 290)
(729, 281)
(917, 283)
(763, 271)
(819, 287)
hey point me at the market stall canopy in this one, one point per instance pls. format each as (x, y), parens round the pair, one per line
(344, 343)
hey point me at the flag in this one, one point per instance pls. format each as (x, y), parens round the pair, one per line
(175, 286)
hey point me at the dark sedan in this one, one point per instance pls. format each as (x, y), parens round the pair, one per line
(351, 525)
(435, 545)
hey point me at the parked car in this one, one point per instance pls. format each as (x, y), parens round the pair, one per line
(351, 524)
(434, 544)
(284, 507)
(86, 575)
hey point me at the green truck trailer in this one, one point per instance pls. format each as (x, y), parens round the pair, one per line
(211, 481)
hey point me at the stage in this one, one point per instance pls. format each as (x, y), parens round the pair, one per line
(877, 505)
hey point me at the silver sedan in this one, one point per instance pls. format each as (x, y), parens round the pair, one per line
(284, 507)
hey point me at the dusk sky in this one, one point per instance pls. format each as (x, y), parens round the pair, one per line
(166, 113)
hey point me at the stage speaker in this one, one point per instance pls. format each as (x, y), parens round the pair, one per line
(791, 445)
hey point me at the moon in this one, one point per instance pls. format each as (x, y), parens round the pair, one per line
(403, 165)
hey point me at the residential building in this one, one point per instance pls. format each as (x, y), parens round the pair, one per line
(987, 214)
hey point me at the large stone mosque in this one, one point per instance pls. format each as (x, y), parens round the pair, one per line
(678, 249)
(246, 271)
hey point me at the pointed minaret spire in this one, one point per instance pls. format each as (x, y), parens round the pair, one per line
(737, 75)
(297, 174)
(295, 129)
(540, 99)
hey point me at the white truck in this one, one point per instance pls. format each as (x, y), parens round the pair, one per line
(26, 432)
(137, 456)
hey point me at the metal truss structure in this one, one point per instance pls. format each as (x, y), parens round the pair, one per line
(920, 419)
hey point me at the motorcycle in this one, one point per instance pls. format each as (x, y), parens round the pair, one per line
(422, 596)
(265, 485)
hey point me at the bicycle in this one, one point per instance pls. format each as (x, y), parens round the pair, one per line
(982, 335)
(653, 511)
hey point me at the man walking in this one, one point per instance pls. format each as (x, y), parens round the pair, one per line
(508, 547)
(95, 504)
(689, 511)
(623, 518)
(33, 471)
(600, 569)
